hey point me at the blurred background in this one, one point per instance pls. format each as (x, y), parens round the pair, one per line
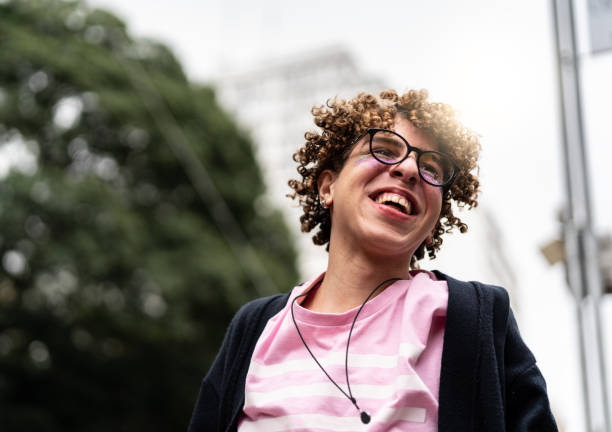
(145, 149)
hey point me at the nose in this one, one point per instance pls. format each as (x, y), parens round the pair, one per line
(407, 170)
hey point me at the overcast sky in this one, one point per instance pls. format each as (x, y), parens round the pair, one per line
(494, 61)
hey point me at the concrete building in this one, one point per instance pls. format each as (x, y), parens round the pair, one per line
(273, 102)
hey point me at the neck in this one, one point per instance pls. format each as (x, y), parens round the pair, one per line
(350, 278)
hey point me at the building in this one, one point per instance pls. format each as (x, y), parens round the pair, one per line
(273, 102)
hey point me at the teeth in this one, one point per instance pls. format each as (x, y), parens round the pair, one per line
(398, 199)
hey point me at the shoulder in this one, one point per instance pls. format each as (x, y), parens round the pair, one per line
(481, 310)
(244, 330)
(476, 295)
(485, 355)
(485, 308)
(260, 309)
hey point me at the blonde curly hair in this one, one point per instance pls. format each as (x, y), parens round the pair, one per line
(342, 121)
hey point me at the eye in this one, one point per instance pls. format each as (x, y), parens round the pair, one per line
(431, 172)
(431, 167)
(387, 147)
(384, 153)
(436, 168)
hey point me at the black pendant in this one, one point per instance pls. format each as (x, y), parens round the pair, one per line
(365, 417)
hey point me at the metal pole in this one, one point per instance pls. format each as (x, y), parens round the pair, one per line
(581, 251)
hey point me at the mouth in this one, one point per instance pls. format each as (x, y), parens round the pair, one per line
(396, 201)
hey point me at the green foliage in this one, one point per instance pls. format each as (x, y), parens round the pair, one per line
(117, 280)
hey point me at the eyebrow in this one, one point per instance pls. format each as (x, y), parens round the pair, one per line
(394, 140)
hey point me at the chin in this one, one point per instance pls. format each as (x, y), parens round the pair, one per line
(391, 244)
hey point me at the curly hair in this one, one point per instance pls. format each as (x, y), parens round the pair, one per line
(342, 121)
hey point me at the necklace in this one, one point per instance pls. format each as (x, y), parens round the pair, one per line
(365, 417)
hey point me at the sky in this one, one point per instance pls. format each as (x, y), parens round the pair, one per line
(494, 61)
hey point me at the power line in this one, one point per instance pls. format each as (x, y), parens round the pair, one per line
(203, 184)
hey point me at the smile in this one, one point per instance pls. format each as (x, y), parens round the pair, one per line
(394, 200)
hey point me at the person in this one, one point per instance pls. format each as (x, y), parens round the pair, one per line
(374, 343)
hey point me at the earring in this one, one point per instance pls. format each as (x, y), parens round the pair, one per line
(325, 203)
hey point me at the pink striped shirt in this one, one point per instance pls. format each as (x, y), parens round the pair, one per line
(394, 364)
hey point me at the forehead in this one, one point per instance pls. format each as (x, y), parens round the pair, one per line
(416, 137)
(419, 138)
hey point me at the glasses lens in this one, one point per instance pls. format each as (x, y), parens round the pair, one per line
(436, 168)
(387, 147)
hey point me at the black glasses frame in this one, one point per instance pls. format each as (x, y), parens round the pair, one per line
(418, 151)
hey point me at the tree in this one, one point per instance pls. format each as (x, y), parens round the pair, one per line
(123, 227)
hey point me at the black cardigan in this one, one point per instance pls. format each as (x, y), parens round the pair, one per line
(489, 379)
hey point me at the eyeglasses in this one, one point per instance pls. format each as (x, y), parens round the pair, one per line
(390, 148)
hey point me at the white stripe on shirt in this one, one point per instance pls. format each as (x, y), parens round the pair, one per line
(333, 423)
(327, 389)
(406, 350)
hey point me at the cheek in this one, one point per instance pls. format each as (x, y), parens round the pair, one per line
(435, 200)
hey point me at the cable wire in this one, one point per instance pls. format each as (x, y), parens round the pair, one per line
(203, 184)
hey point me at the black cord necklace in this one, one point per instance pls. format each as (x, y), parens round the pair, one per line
(365, 417)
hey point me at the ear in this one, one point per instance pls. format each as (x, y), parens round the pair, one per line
(325, 183)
